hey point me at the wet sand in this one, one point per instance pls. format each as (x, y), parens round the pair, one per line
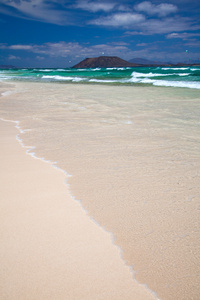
(50, 248)
(133, 153)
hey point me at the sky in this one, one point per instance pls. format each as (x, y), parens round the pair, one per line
(42, 33)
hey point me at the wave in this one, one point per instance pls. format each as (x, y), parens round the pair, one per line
(119, 68)
(88, 70)
(153, 76)
(186, 84)
(137, 74)
(43, 70)
(64, 78)
(103, 80)
(183, 68)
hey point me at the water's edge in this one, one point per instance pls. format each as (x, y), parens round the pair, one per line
(30, 151)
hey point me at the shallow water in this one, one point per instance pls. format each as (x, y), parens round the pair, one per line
(188, 77)
(133, 153)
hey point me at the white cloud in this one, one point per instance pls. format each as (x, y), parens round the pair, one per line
(13, 57)
(161, 10)
(142, 45)
(183, 35)
(3, 46)
(39, 57)
(20, 47)
(145, 26)
(119, 19)
(40, 10)
(64, 50)
(124, 8)
(156, 26)
(95, 6)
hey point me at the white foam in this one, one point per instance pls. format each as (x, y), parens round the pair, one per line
(2, 78)
(128, 122)
(183, 74)
(7, 93)
(119, 68)
(44, 70)
(183, 68)
(186, 84)
(64, 78)
(137, 74)
(102, 80)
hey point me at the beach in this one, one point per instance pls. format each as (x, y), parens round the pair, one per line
(126, 224)
(50, 248)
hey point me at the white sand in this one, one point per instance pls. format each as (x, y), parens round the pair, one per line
(134, 156)
(50, 248)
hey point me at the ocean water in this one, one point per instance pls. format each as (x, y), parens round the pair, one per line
(188, 77)
(133, 153)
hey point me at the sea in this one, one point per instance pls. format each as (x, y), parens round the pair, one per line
(187, 76)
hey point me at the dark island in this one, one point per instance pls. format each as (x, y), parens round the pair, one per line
(104, 62)
(117, 62)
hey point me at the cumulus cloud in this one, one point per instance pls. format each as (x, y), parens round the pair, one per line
(20, 47)
(40, 10)
(144, 26)
(39, 57)
(156, 26)
(183, 35)
(145, 18)
(95, 6)
(63, 49)
(162, 9)
(76, 52)
(13, 57)
(119, 19)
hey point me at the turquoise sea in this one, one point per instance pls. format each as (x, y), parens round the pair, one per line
(188, 77)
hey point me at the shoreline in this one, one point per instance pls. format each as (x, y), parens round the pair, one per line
(164, 230)
(37, 263)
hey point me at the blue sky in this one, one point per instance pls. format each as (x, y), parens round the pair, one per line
(42, 33)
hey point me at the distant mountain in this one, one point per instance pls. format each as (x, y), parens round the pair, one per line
(143, 61)
(7, 67)
(147, 62)
(104, 62)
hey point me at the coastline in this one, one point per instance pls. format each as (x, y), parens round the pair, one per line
(157, 246)
(49, 246)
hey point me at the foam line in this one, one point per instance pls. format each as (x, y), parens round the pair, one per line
(29, 151)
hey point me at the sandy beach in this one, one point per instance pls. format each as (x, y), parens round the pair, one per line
(133, 154)
(50, 248)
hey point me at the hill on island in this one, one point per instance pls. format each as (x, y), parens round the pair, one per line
(104, 62)
(144, 61)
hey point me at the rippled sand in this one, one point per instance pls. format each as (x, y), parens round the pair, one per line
(133, 153)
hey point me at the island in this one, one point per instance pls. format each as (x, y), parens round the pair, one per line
(104, 62)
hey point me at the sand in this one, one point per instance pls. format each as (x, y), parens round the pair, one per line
(133, 153)
(50, 248)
